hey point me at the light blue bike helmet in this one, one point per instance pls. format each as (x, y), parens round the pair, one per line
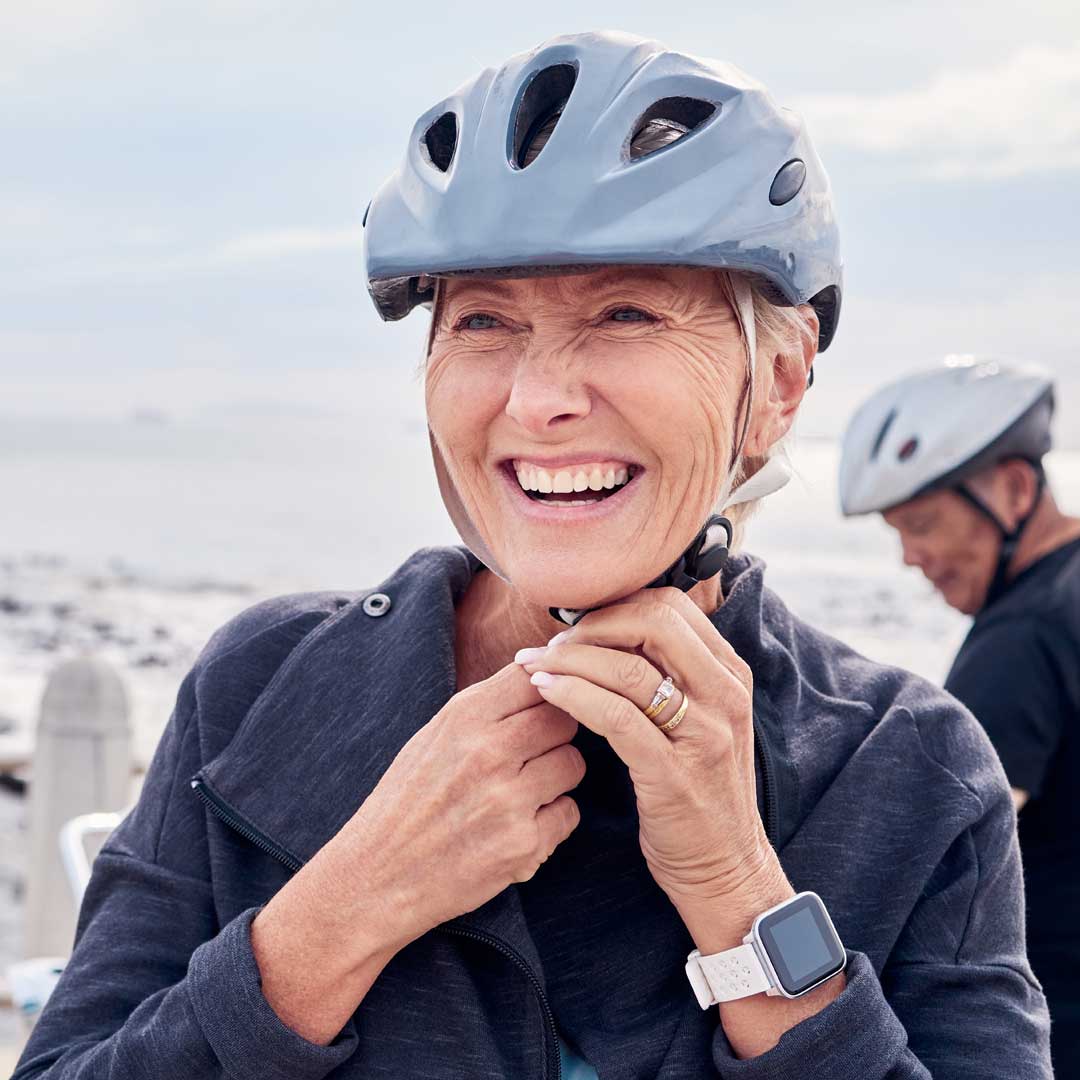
(740, 187)
(599, 149)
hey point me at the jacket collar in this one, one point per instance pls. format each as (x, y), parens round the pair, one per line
(319, 737)
(349, 696)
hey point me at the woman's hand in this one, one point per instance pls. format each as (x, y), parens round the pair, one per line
(474, 801)
(701, 833)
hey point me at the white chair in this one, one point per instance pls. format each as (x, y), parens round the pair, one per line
(73, 837)
(32, 981)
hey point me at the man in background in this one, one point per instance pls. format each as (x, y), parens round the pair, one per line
(952, 460)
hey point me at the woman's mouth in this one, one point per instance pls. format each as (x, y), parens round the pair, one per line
(577, 493)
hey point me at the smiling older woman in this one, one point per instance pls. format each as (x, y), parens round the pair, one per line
(631, 262)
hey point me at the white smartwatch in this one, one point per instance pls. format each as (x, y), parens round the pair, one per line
(791, 948)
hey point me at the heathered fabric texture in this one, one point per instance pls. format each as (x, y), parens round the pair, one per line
(892, 806)
(1018, 672)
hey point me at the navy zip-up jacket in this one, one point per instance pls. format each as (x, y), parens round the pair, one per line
(878, 790)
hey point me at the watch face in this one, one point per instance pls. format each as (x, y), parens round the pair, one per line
(801, 944)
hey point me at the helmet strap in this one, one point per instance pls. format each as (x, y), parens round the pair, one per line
(1010, 538)
(705, 557)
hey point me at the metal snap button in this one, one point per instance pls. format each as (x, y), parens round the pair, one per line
(376, 604)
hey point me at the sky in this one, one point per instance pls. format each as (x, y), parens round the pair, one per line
(182, 186)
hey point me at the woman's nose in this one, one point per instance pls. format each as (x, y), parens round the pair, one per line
(547, 388)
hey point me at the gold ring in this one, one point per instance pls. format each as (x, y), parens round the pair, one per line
(661, 698)
(676, 720)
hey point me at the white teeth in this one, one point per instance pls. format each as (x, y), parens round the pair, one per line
(578, 478)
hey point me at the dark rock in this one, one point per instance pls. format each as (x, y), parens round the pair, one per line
(150, 660)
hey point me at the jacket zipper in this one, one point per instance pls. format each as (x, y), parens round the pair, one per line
(768, 787)
(235, 822)
(516, 958)
(239, 825)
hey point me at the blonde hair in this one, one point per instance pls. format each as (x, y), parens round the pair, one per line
(782, 332)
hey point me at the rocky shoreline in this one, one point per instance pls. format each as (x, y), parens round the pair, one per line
(150, 629)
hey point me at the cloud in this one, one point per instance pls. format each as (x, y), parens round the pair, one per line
(40, 30)
(1014, 118)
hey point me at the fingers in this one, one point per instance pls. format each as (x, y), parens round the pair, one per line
(701, 624)
(555, 822)
(535, 731)
(625, 673)
(496, 697)
(635, 738)
(663, 633)
(550, 775)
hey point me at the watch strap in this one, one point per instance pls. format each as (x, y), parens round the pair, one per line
(726, 976)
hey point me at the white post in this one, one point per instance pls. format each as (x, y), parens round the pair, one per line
(82, 764)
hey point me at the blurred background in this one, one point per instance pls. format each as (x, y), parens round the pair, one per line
(199, 406)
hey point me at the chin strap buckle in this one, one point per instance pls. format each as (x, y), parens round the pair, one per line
(704, 558)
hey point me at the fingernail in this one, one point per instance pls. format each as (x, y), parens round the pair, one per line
(542, 678)
(562, 635)
(527, 656)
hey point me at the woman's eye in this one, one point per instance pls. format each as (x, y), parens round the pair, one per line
(630, 314)
(478, 321)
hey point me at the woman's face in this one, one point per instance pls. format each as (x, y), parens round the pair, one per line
(564, 382)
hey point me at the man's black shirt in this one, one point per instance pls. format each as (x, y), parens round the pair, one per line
(1018, 671)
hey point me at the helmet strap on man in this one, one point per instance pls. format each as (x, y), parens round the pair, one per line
(1010, 538)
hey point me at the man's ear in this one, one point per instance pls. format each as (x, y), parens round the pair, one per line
(781, 386)
(1021, 486)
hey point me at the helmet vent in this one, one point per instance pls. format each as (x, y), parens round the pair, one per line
(440, 141)
(667, 121)
(907, 451)
(876, 449)
(539, 108)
